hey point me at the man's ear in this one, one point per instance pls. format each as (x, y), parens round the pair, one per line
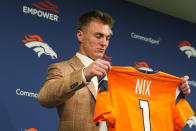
(79, 35)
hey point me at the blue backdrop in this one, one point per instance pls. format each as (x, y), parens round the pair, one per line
(163, 42)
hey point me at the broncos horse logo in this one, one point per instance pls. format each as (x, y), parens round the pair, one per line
(143, 66)
(107, 58)
(38, 45)
(191, 121)
(186, 47)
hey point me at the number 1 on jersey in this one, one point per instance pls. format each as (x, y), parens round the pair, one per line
(146, 114)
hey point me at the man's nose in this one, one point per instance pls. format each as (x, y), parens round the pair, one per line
(104, 41)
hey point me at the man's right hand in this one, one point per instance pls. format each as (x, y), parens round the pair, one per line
(98, 68)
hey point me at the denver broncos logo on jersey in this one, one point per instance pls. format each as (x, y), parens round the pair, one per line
(185, 46)
(143, 66)
(36, 42)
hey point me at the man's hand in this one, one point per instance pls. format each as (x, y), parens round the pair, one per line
(184, 86)
(98, 68)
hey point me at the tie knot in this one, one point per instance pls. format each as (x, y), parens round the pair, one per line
(102, 84)
(99, 78)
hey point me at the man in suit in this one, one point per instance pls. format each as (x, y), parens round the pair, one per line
(71, 86)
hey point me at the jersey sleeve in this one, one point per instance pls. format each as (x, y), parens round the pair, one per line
(182, 113)
(103, 108)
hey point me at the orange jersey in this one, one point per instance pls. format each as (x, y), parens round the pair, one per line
(136, 101)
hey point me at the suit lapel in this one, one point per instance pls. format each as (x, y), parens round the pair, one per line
(91, 87)
(77, 65)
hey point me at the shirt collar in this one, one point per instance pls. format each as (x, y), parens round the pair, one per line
(85, 60)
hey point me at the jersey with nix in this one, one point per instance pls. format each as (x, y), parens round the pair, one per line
(136, 101)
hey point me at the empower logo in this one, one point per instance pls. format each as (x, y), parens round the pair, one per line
(41, 7)
(31, 129)
(38, 45)
(143, 66)
(47, 6)
(185, 46)
(146, 39)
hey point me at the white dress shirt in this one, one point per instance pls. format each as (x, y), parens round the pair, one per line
(87, 61)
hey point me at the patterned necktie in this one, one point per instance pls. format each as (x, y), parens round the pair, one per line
(103, 86)
(102, 83)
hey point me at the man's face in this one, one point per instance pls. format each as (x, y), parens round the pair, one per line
(94, 39)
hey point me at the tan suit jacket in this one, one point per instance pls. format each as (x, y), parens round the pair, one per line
(75, 101)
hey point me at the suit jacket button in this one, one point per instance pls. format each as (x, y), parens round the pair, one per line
(74, 85)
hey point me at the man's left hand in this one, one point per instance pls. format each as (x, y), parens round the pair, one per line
(184, 86)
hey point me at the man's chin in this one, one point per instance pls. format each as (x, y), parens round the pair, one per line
(97, 57)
